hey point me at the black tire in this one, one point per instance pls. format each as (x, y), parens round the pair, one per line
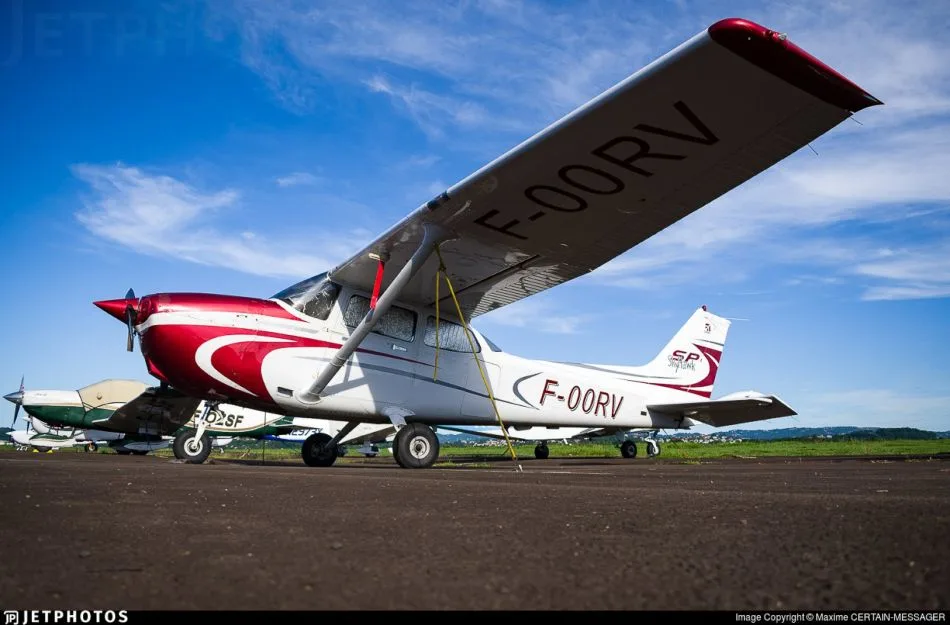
(541, 452)
(396, 448)
(91, 448)
(416, 446)
(183, 450)
(315, 452)
(628, 449)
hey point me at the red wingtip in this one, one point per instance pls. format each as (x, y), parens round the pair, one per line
(774, 53)
(116, 307)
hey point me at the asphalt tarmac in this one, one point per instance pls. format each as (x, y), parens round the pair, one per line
(108, 532)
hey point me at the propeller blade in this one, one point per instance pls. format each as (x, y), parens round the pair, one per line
(16, 399)
(124, 310)
(129, 314)
(130, 321)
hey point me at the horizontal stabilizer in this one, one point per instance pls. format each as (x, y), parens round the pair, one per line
(730, 410)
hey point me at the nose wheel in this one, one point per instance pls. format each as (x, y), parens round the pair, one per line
(541, 451)
(192, 447)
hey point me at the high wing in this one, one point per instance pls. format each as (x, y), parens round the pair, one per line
(704, 118)
(730, 410)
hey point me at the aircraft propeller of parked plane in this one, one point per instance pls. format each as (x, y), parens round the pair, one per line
(384, 337)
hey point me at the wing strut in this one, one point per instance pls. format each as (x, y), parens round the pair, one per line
(433, 236)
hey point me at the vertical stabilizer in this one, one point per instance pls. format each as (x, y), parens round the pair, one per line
(690, 361)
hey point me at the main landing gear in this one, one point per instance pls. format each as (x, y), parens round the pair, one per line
(628, 449)
(318, 452)
(416, 446)
(541, 451)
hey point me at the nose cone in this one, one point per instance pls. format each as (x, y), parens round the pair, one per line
(15, 398)
(116, 307)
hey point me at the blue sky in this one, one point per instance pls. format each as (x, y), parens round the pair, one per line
(238, 147)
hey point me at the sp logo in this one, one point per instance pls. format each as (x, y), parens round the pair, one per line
(683, 361)
(684, 356)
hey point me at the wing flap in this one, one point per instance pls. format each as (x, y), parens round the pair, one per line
(716, 111)
(728, 411)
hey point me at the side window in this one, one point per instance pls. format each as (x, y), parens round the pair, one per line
(397, 323)
(451, 336)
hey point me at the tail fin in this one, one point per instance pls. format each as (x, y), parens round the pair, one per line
(690, 361)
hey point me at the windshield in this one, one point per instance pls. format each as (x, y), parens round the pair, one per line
(313, 297)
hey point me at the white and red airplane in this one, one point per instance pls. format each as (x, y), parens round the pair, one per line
(379, 338)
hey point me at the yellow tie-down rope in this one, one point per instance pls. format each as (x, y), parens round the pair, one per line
(442, 272)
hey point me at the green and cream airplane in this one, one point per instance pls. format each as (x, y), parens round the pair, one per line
(150, 418)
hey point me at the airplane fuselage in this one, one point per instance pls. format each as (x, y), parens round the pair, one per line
(263, 354)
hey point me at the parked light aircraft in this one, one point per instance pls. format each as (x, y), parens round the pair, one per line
(135, 418)
(375, 340)
(41, 437)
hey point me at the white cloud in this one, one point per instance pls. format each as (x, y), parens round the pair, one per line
(781, 216)
(162, 216)
(922, 272)
(525, 63)
(297, 178)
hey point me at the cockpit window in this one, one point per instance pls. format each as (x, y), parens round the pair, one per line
(313, 297)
